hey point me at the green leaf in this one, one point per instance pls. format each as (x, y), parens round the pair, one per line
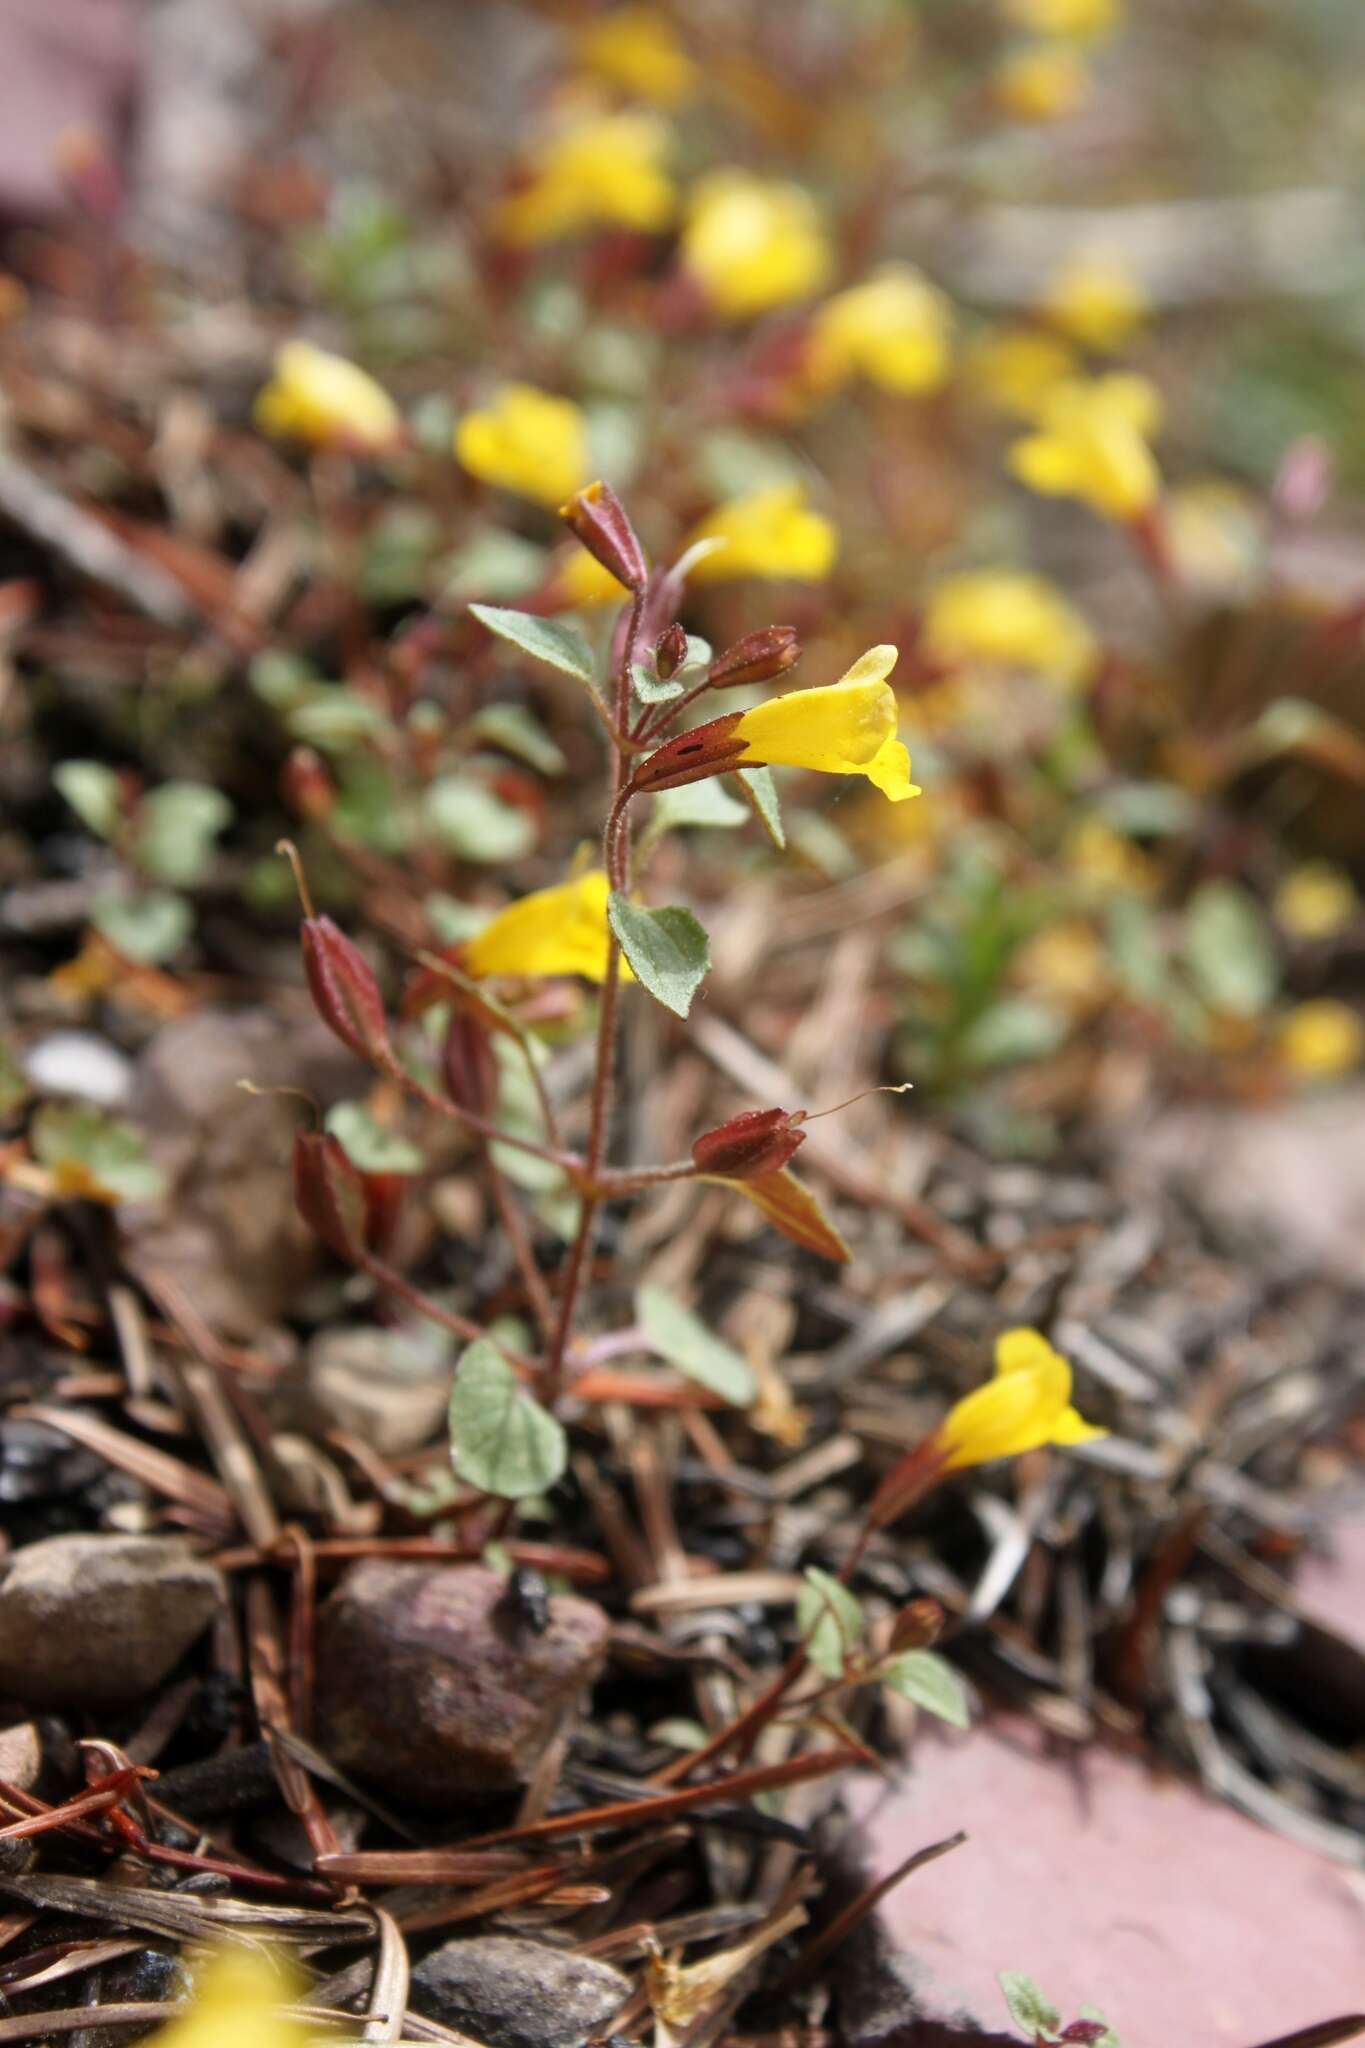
(101, 1155)
(830, 1621)
(282, 680)
(674, 1333)
(518, 731)
(668, 949)
(761, 791)
(149, 929)
(1152, 810)
(474, 824)
(547, 640)
(652, 689)
(368, 1144)
(177, 826)
(1135, 948)
(398, 551)
(931, 1683)
(493, 564)
(92, 790)
(1229, 951)
(335, 719)
(697, 803)
(1016, 1028)
(1029, 2009)
(501, 1440)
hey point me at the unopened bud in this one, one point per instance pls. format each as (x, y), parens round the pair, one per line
(757, 658)
(1084, 2031)
(916, 1626)
(305, 784)
(710, 749)
(755, 1142)
(383, 1196)
(329, 1193)
(670, 651)
(598, 518)
(468, 1066)
(344, 989)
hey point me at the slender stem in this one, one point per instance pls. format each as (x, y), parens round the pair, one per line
(632, 1180)
(470, 1332)
(428, 1097)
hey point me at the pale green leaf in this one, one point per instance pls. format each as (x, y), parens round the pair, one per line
(668, 949)
(654, 689)
(472, 823)
(369, 1144)
(82, 1141)
(697, 803)
(149, 929)
(493, 564)
(829, 1620)
(930, 1682)
(501, 1439)
(1229, 951)
(518, 731)
(761, 791)
(547, 640)
(92, 790)
(674, 1333)
(1029, 2009)
(177, 826)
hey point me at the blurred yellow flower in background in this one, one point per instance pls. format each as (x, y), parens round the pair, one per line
(1080, 18)
(1321, 1039)
(562, 930)
(527, 441)
(772, 533)
(1096, 301)
(1018, 368)
(579, 579)
(1010, 618)
(1316, 901)
(1042, 81)
(1103, 860)
(1091, 444)
(895, 328)
(236, 2004)
(637, 49)
(845, 728)
(605, 171)
(1026, 1405)
(1067, 964)
(753, 243)
(321, 398)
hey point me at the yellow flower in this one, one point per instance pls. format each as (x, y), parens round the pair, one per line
(895, 328)
(1008, 618)
(770, 533)
(1066, 963)
(579, 580)
(553, 931)
(528, 442)
(1042, 81)
(1018, 368)
(1091, 444)
(1103, 861)
(1316, 901)
(635, 48)
(1320, 1039)
(753, 243)
(236, 2004)
(1097, 302)
(317, 397)
(846, 728)
(1026, 1405)
(603, 171)
(1080, 18)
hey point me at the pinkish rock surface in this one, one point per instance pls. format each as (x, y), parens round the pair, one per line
(1187, 1925)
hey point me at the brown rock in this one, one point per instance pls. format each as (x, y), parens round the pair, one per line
(514, 1993)
(96, 1621)
(428, 1690)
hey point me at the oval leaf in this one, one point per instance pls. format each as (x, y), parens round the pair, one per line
(830, 1621)
(668, 949)
(501, 1440)
(547, 640)
(676, 1334)
(931, 1683)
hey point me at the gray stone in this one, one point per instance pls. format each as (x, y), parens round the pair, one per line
(388, 1387)
(429, 1690)
(513, 1993)
(96, 1621)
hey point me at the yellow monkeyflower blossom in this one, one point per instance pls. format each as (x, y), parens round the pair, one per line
(1091, 444)
(1321, 1039)
(527, 441)
(318, 397)
(562, 930)
(237, 1998)
(1009, 618)
(1096, 301)
(578, 579)
(1043, 81)
(753, 243)
(1026, 1405)
(771, 533)
(1083, 19)
(846, 728)
(607, 170)
(895, 328)
(636, 49)
(1018, 368)
(1316, 900)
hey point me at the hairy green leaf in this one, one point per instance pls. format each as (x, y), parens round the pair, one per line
(668, 949)
(501, 1439)
(829, 1619)
(683, 1339)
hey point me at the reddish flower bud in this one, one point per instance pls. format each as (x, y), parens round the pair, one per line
(383, 1197)
(598, 518)
(757, 658)
(918, 1624)
(344, 989)
(305, 784)
(329, 1193)
(755, 1142)
(670, 651)
(708, 749)
(468, 1066)
(1084, 2031)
